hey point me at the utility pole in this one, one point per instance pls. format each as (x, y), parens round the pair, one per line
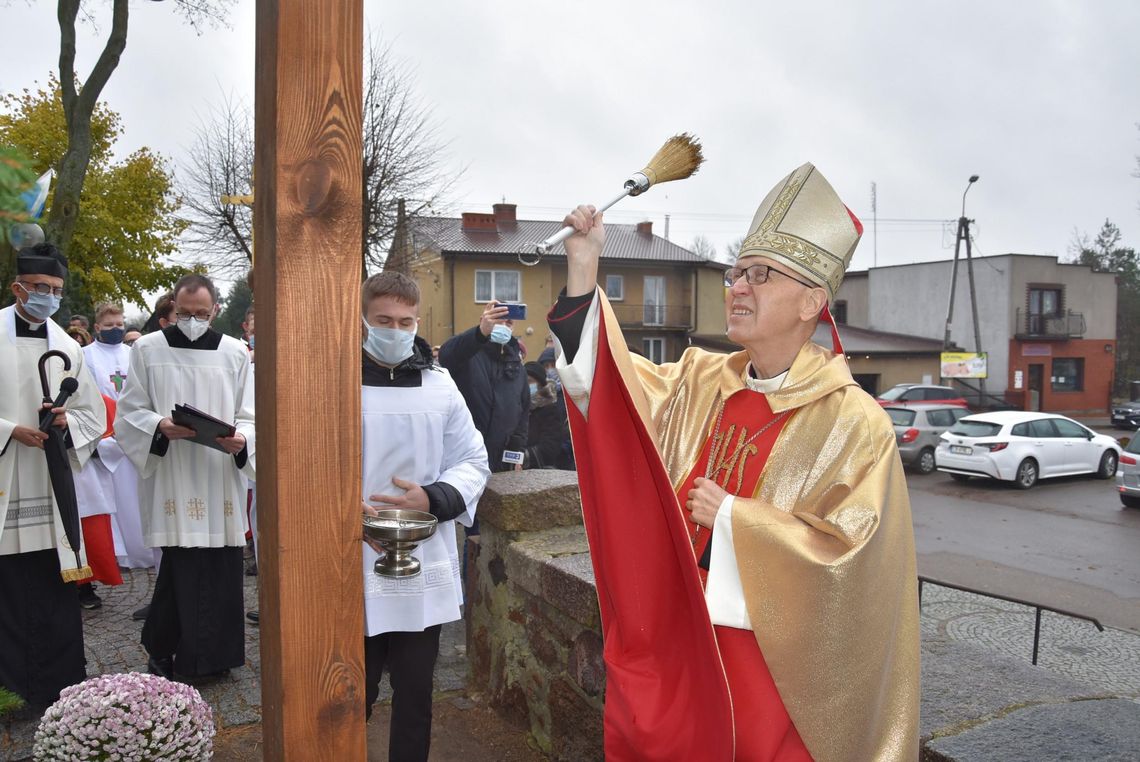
(963, 235)
(875, 221)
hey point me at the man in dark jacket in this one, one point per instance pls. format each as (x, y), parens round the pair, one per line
(485, 364)
(548, 430)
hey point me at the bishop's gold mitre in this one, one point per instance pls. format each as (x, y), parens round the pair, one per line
(802, 224)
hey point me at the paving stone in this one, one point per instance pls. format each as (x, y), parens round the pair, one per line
(1106, 731)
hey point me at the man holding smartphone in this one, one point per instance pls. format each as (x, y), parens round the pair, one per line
(484, 361)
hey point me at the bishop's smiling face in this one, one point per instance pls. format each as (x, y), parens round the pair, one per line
(756, 313)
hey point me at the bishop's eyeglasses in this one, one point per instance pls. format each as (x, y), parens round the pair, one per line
(757, 275)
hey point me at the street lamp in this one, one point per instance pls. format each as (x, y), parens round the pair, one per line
(973, 179)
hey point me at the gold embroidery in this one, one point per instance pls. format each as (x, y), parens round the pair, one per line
(196, 509)
(170, 507)
(784, 201)
(228, 508)
(736, 462)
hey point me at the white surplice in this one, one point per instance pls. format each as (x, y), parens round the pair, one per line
(27, 503)
(193, 496)
(423, 435)
(109, 364)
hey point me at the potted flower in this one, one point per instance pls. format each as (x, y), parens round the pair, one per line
(127, 716)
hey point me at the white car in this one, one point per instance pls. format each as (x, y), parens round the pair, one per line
(1023, 447)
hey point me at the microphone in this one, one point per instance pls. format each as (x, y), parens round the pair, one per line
(66, 388)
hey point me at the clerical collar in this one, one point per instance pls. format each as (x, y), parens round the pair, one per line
(29, 330)
(763, 385)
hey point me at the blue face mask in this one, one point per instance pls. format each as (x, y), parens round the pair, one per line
(500, 334)
(40, 306)
(533, 389)
(391, 346)
(111, 335)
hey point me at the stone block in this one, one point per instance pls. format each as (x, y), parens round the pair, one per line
(532, 500)
(576, 725)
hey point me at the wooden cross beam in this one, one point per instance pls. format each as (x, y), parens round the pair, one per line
(307, 287)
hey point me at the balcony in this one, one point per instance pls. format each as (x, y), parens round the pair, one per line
(666, 317)
(1049, 327)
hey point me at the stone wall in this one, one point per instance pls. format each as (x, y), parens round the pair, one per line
(533, 635)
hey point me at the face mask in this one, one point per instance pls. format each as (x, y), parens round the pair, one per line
(251, 341)
(533, 389)
(40, 306)
(390, 346)
(500, 334)
(111, 335)
(193, 328)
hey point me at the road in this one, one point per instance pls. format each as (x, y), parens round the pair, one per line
(1066, 543)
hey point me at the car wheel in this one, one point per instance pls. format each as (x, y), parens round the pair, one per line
(960, 477)
(925, 462)
(1026, 475)
(1129, 501)
(1107, 468)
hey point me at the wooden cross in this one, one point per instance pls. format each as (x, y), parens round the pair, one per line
(309, 84)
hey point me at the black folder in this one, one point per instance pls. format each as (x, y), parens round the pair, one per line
(208, 427)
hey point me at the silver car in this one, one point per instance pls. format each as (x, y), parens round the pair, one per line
(1128, 477)
(917, 430)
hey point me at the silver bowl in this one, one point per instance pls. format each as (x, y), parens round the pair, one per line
(399, 532)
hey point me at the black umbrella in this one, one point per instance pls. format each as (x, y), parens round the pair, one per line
(55, 448)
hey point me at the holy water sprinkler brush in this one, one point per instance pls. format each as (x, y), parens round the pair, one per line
(679, 158)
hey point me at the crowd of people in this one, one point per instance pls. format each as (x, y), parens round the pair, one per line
(749, 523)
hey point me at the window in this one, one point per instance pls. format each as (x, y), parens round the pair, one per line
(839, 312)
(615, 288)
(1070, 430)
(901, 416)
(654, 349)
(654, 307)
(1068, 374)
(1020, 430)
(501, 285)
(1044, 303)
(968, 428)
(940, 417)
(1042, 428)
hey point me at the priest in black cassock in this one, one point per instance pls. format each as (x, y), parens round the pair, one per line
(41, 630)
(191, 496)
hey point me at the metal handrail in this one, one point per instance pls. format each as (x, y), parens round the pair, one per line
(1038, 606)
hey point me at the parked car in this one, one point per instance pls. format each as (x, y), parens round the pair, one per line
(1023, 447)
(917, 430)
(1128, 477)
(906, 395)
(1126, 415)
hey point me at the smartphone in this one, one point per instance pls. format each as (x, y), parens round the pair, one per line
(516, 311)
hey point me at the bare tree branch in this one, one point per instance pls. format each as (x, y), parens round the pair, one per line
(403, 158)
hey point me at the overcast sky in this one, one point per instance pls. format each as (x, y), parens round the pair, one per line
(551, 104)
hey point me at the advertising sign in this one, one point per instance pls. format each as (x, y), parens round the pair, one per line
(964, 365)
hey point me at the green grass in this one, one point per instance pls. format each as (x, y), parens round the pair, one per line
(9, 702)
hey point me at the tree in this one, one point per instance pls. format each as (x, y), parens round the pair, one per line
(732, 250)
(129, 221)
(703, 248)
(80, 103)
(1104, 253)
(403, 158)
(234, 306)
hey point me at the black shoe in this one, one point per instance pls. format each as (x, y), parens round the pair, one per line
(141, 614)
(87, 597)
(253, 616)
(163, 666)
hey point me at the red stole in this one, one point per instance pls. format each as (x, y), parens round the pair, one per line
(739, 448)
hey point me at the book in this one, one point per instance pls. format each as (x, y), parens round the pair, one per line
(207, 428)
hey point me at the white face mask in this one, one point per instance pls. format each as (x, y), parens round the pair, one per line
(193, 328)
(390, 346)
